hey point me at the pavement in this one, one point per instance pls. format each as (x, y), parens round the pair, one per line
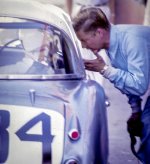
(118, 112)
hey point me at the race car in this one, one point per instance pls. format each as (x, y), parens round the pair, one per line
(51, 110)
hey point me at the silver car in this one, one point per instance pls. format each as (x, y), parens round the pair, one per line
(51, 110)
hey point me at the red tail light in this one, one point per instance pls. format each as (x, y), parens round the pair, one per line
(74, 134)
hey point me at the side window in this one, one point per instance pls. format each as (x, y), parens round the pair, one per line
(32, 50)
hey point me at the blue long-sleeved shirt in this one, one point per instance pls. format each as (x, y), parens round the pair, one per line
(129, 54)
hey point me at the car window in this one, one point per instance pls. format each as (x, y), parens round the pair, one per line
(28, 47)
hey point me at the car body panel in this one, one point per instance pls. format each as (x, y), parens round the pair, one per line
(56, 117)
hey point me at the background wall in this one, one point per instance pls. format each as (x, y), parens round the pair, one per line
(123, 11)
(127, 11)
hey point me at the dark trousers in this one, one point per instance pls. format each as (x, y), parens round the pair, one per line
(144, 151)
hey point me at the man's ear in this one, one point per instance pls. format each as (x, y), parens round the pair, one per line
(100, 31)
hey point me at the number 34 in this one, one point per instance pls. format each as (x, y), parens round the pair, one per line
(45, 138)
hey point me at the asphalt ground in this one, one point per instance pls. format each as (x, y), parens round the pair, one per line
(119, 141)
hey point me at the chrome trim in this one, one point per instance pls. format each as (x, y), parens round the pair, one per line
(71, 161)
(43, 77)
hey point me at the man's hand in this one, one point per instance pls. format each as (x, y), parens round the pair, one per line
(94, 65)
(134, 124)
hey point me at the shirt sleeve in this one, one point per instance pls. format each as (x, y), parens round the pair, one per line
(135, 79)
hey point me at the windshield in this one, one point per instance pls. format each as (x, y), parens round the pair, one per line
(28, 47)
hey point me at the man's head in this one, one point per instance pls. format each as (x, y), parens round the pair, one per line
(92, 28)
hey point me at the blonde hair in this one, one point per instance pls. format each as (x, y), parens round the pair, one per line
(89, 19)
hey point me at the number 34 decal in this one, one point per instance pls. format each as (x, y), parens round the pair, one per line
(23, 134)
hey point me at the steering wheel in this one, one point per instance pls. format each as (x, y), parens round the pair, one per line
(6, 44)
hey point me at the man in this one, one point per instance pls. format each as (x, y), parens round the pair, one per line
(128, 47)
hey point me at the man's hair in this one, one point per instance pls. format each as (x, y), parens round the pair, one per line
(89, 19)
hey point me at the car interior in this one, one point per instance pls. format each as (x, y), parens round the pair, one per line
(28, 47)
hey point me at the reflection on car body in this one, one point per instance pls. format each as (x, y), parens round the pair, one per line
(50, 110)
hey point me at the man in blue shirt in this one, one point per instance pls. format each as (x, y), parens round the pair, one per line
(128, 47)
